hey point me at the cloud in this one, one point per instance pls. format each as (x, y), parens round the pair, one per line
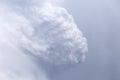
(54, 28)
(35, 35)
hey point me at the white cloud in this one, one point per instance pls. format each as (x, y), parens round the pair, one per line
(47, 32)
(54, 28)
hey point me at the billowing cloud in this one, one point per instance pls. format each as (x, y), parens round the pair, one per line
(54, 36)
(46, 32)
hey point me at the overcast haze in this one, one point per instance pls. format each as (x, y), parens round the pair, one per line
(100, 22)
(99, 35)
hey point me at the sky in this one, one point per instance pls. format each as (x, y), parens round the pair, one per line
(98, 20)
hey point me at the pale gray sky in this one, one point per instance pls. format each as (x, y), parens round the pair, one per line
(99, 21)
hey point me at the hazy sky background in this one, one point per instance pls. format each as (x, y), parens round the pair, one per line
(100, 22)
